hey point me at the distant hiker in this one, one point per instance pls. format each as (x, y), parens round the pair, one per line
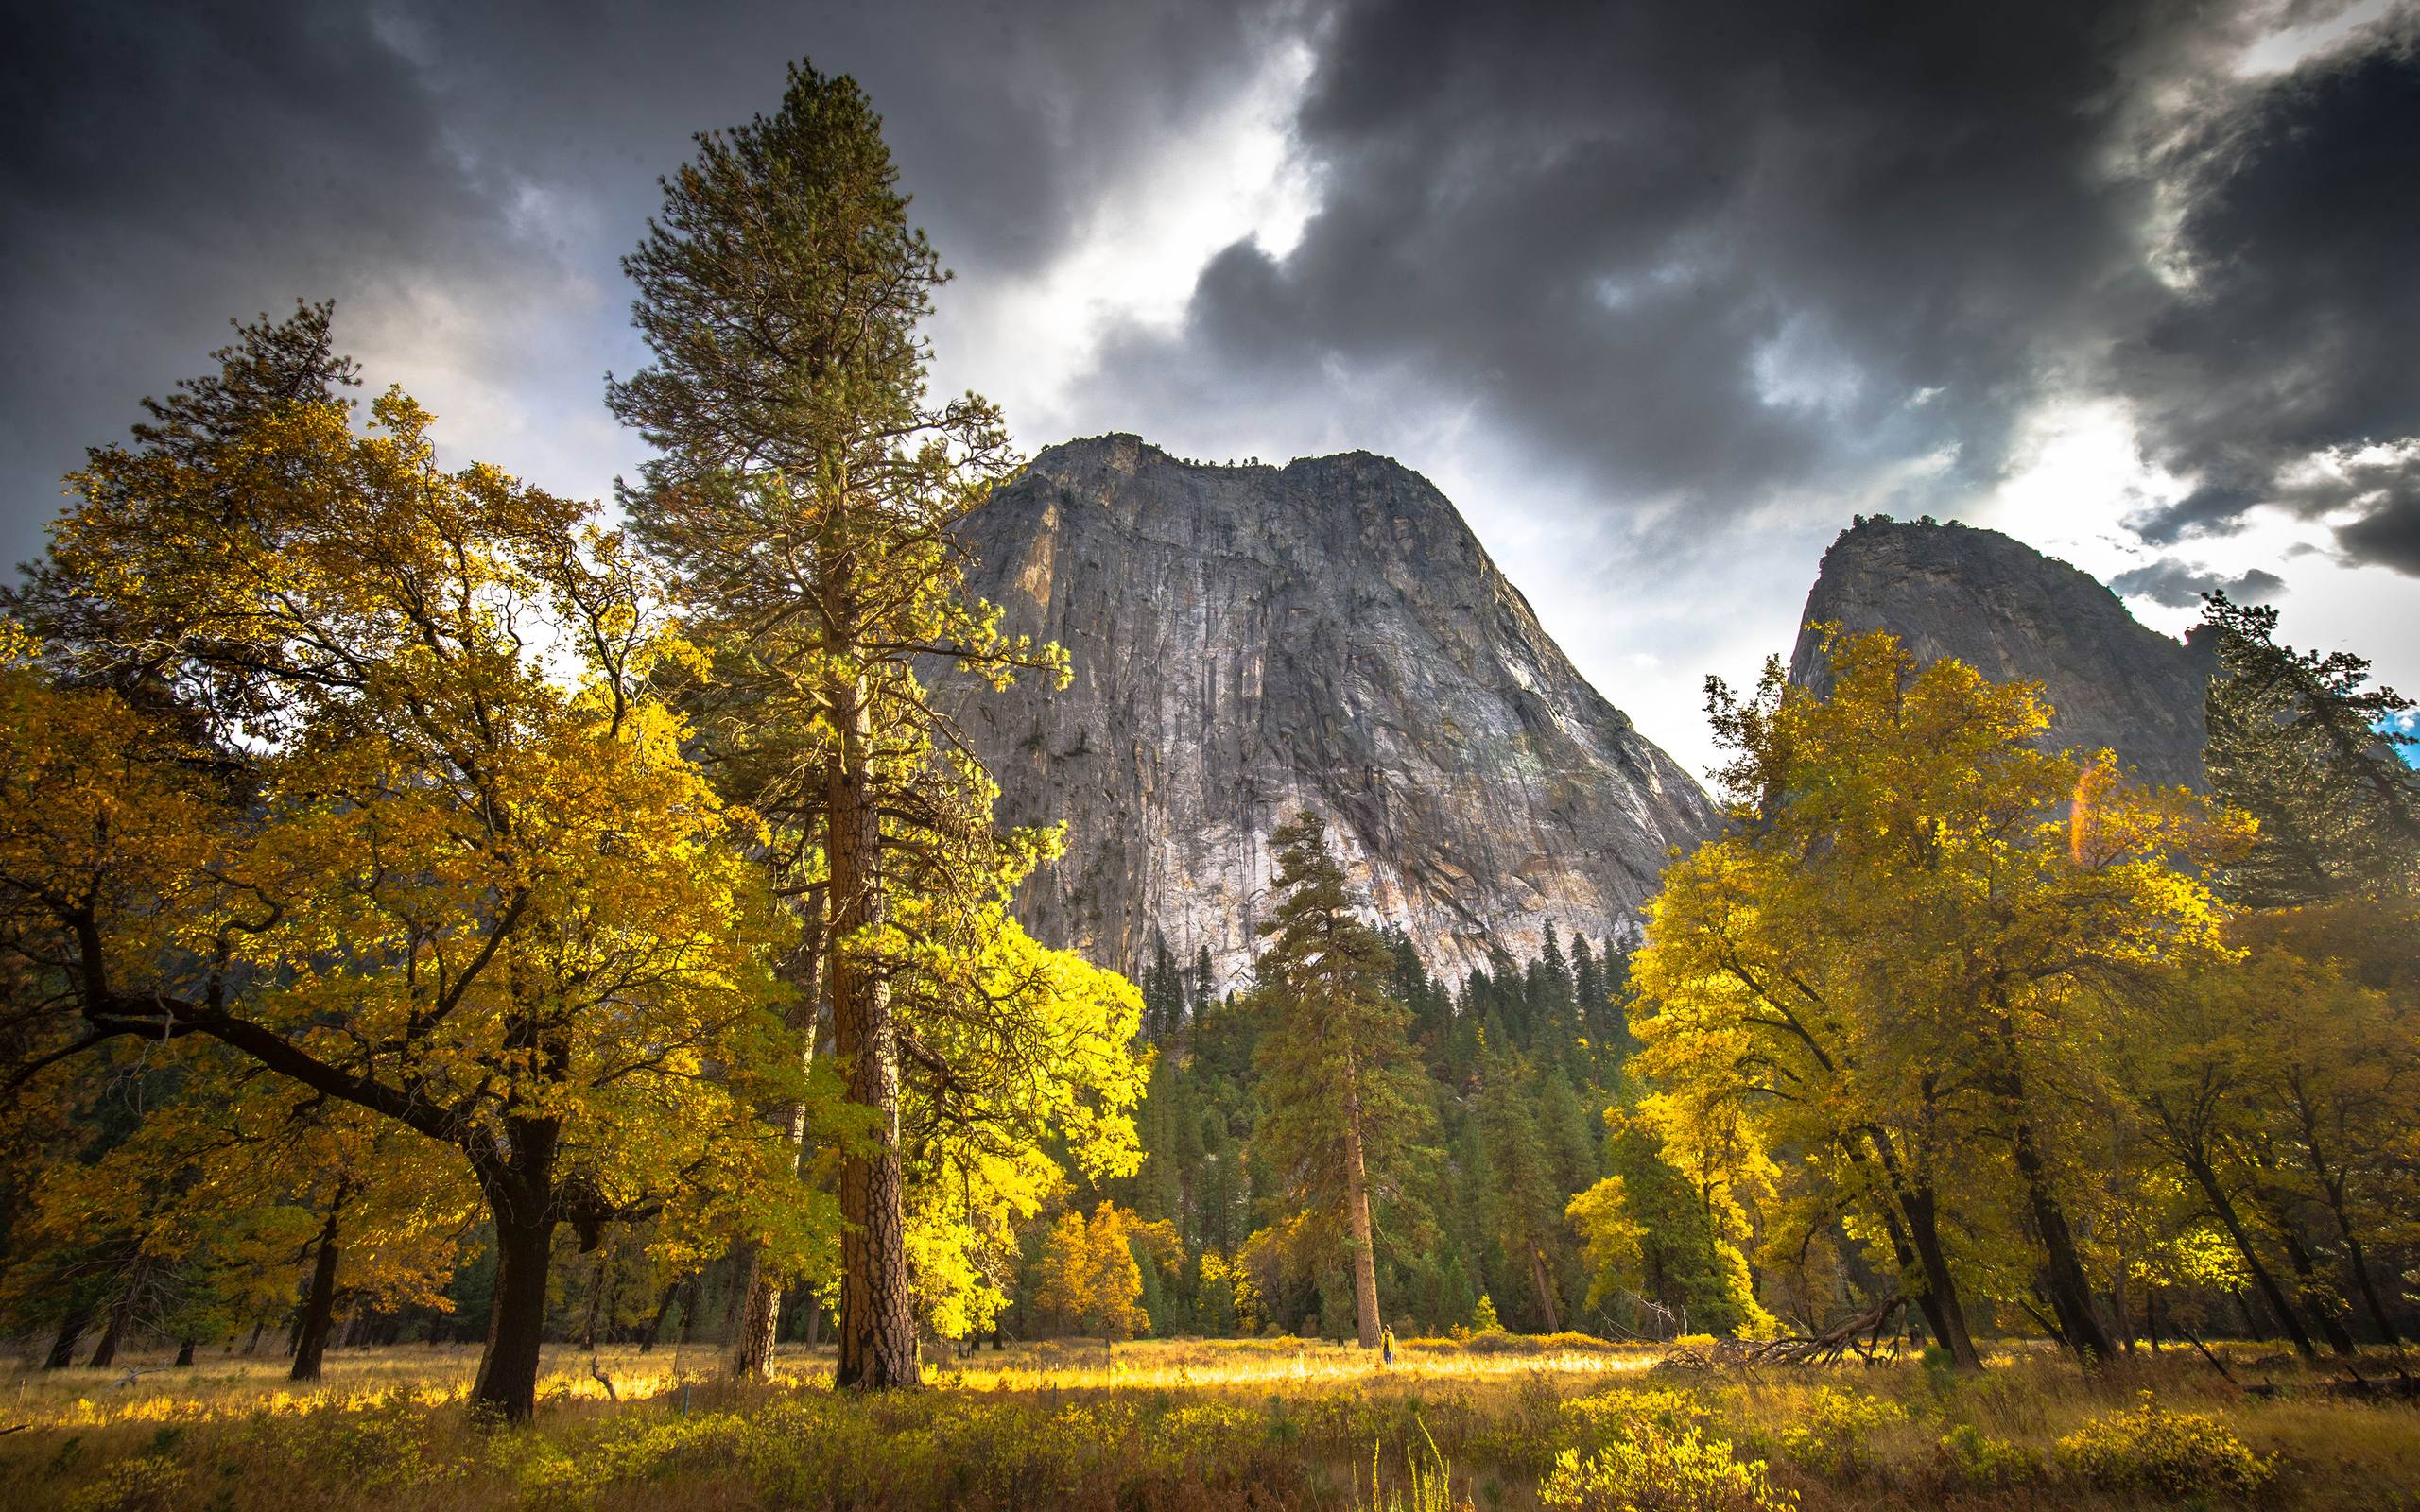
(1387, 1344)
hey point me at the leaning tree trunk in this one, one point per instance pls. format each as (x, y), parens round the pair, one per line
(2312, 1289)
(1357, 1198)
(1937, 1299)
(2071, 1291)
(121, 1313)
(71, 1330)
(2274, 1293)
(877, 1322)
(319, 1303)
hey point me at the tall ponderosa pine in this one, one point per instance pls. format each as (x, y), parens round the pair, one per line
(805, 492)
(1347, 1103)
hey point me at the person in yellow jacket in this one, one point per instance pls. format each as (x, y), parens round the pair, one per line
(1387, 1344)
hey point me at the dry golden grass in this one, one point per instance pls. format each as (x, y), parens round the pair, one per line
(1171, 1424)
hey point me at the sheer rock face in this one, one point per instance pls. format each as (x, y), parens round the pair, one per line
(1248, 641)
(2011, 612)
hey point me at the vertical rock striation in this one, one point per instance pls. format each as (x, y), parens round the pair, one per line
(1253, 640)
(2011, 612)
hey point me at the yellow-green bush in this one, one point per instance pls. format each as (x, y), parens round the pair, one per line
(1656, 1471)
(2148, 1447)
(147, 1482)
(1834, 1432)
(1981, 1461)
(1620, 1414)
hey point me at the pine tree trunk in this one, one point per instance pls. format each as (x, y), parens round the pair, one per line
(507, 1378)
(318, 1305)
(71, 1332)
(253, 1345)
(877, 1322)
(1365, 1257)
(1546, 1290)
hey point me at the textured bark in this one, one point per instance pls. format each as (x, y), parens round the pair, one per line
(877, 1321)
(1912, 1223)
(318, 1304)
(507, 1378)
(758, 1325)
(1357, 1198)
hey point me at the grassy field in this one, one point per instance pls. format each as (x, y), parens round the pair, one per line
(1183, 1424)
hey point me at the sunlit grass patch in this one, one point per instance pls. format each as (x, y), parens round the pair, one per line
(1188, 1423)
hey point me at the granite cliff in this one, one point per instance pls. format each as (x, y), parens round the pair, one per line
(1253, 640)
(2007, 609)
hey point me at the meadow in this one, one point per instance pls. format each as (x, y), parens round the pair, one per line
(1484, 1423)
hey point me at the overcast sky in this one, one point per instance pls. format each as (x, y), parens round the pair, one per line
(1661, 295)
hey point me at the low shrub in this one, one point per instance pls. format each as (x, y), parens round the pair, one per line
(1984, 1462)
(1656, 1471)
(2148, 1447)
(1834, 1432)
(147, 1482)
(1620, 1414)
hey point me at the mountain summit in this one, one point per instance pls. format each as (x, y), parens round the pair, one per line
(2011, 612)
(1253, 640)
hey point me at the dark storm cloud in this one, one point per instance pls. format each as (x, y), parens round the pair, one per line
(1720, 255)
(2179, 586)
(154, 156)
(1712, 250)
(2295, 333)
(465, 165)
(1711, 256)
